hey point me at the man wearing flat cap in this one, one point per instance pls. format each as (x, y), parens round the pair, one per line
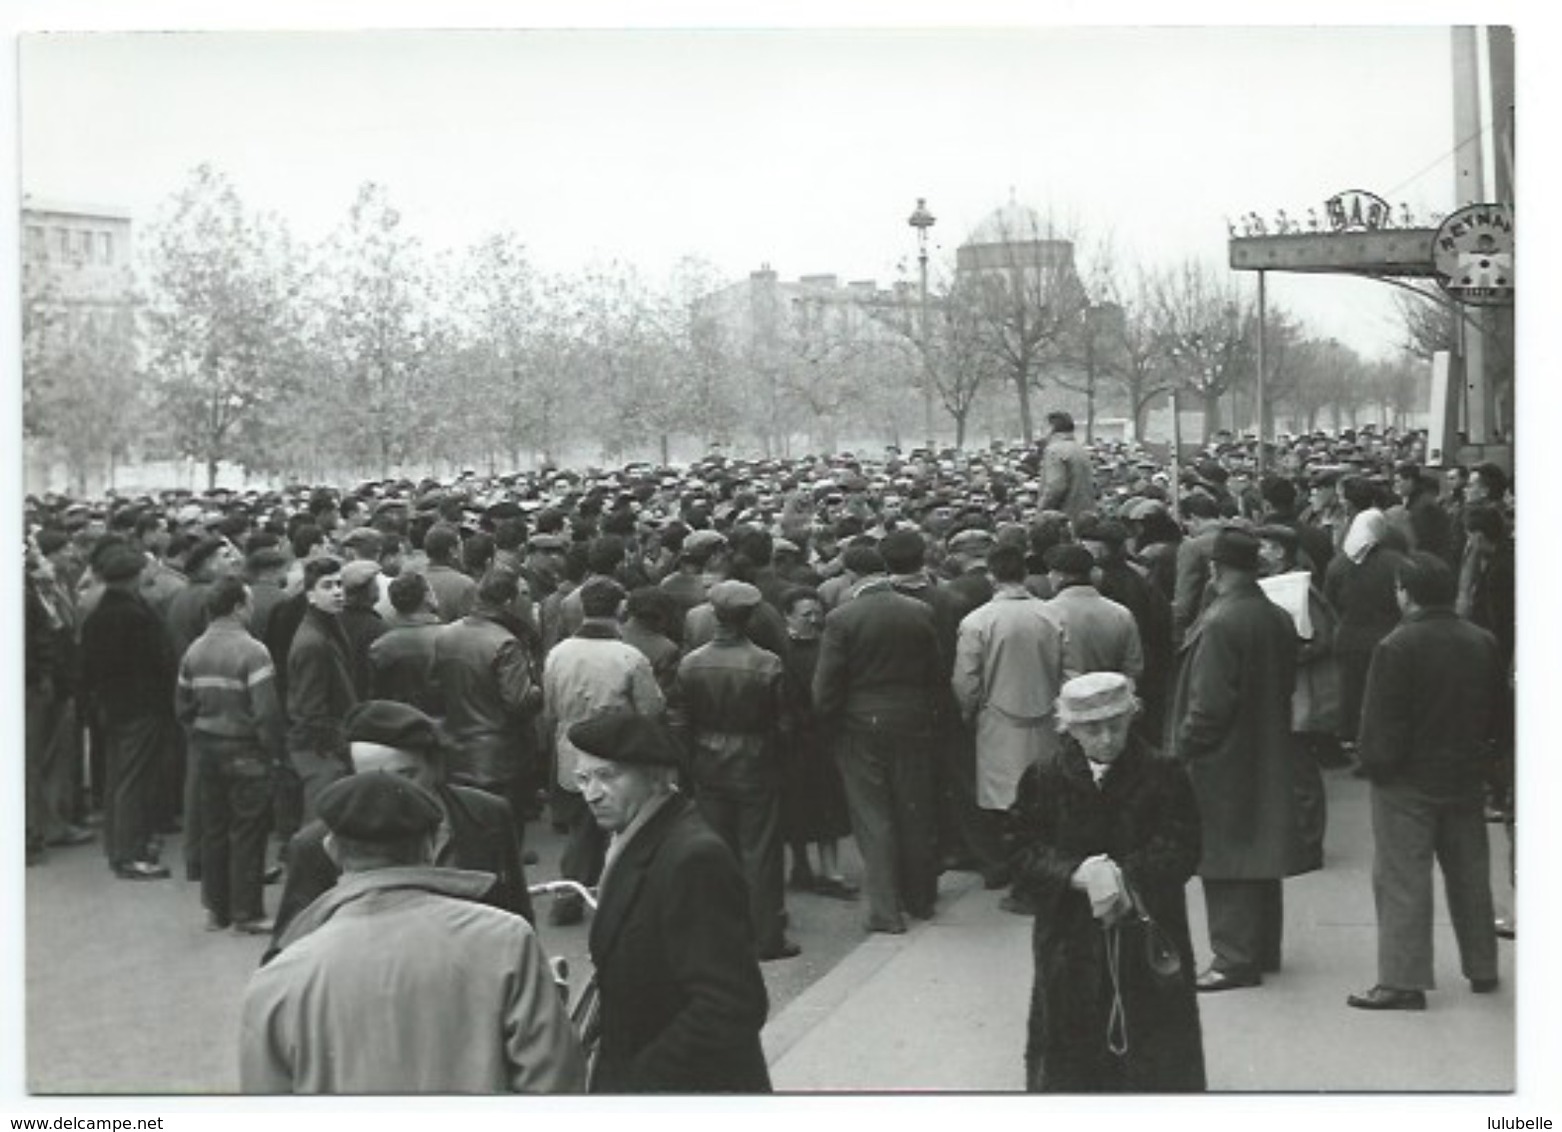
(128, 676)
(1231, 724)
(730, 703)
(476, 831)
(396, 980)
(682, 999)
(1099, 635)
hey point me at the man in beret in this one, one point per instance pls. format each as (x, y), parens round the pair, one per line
(730, 700)
(682, 998)
(127, 676)
(1231, 723)
(397, 980)
(476, 831)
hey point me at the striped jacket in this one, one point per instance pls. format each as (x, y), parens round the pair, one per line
(228, 687)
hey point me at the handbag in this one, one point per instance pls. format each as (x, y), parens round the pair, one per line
(1161, 957)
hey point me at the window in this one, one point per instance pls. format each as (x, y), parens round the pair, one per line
(84, 246)
(106, 244)
(37, 245)
(62, 240)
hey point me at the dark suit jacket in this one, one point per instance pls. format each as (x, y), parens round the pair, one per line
(682, 998)
(482, 839)
(1431, 704)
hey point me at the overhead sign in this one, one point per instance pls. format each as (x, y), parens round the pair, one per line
(1472, 255)
(1356, 210)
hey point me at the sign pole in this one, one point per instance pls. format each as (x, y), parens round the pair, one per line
(1259, 464)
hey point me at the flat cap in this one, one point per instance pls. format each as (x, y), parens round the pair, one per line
(378, 807)
(734, 595)
(358, 573)
(972, 539)
(392, 724)
(547, 542)
(702, 540)
(626, 737)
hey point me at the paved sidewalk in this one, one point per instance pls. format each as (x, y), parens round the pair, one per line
(943, 1008)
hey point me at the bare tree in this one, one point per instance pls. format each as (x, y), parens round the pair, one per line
(1206, 332)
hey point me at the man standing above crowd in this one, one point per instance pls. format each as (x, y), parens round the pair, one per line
(876, 690)
(1231, 723)
(1067, 480)
(1430, 708)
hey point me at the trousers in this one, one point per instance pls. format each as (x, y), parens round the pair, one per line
(889, 793)
(1409, 829)
(1246, 919)
(747, 816)
(316, 772)
(233, 799)
(136, 754)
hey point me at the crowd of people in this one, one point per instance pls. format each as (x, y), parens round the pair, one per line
(1083, 672)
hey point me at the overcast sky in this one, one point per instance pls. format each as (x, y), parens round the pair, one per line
(804, 149)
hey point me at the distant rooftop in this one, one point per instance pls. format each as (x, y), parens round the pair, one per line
(31, 203)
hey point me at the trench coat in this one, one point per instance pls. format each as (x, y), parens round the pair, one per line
(395, 981)
(1008, 669)
(1231, 725)
(1143, 816)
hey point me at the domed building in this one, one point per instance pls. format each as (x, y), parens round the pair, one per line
(1015, 237)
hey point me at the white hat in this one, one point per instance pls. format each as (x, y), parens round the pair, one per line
(1096, 695)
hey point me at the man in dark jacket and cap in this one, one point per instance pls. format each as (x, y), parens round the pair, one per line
(319, 683)
(682, 999)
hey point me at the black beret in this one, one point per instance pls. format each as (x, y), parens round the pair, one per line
(378, 806)
(1069, 558)
(626, 737)
(392, 724)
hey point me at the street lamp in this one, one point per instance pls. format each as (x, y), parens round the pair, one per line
(921, 219)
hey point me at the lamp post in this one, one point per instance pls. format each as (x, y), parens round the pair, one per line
(921, 219)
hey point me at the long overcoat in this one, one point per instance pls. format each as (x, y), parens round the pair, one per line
(682, 999)
(1231, 725)
(1144, 818)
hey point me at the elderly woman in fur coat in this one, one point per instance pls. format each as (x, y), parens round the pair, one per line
(1107, 826)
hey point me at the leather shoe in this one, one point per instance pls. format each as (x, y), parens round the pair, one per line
(888, 927)
(273, 875)
(835, 888)
(785, 950)
(1388, 998)
(1483, 986)
(141, 870)
(1505, 928)
(254, 927)
(1216, 980)
(215, 923)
